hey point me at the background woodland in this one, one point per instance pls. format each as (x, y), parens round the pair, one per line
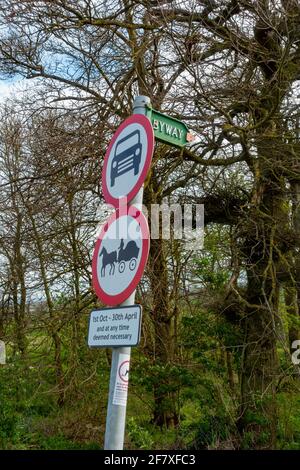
(213, 369)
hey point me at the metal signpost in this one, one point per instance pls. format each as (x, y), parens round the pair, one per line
(122, 248)
(120, 257)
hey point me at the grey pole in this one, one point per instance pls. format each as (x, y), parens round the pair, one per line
(116, 414)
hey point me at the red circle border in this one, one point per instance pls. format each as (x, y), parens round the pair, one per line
(145, 122)
(125, 381)
(113, 300)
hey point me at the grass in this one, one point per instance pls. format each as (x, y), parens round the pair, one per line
(30, 417)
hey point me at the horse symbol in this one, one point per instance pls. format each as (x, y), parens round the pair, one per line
(108, 258)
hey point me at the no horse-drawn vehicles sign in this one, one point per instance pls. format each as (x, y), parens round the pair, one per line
(120, 255)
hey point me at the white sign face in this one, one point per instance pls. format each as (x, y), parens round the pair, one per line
(115, 327)
(120, 256)
(127, 159)
(115, 278)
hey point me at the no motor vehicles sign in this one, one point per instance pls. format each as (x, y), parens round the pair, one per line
(127, 159)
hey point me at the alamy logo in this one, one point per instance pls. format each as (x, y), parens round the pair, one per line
(166, 221)
(296, 354)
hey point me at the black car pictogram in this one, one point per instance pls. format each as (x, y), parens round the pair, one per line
(127, 156)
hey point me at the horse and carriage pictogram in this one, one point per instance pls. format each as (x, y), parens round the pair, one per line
(126, 254)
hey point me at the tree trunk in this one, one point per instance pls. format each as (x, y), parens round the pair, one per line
(293, 293)
(53, 328)
(76, 283)
(17, 263)
(230, 370)
(2, 312)
(258, 416)
(165, 410)
(292, 309)
(263, 250)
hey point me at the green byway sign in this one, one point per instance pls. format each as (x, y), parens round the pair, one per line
(169, 130)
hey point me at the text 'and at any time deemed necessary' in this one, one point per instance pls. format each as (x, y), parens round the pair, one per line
(115, 327)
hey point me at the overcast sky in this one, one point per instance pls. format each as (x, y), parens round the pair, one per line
(4, 89)
(7, 87)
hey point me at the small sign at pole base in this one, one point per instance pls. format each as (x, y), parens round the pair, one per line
(2, 353)
(115, 327)
(122, 378)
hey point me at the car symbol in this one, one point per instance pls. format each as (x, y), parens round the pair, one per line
(127, 156)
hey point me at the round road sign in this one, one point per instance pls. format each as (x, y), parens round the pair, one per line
(127, 159)
(120, 255)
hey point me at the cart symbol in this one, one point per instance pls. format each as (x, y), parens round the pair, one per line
(129, 253)
(127, 156)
